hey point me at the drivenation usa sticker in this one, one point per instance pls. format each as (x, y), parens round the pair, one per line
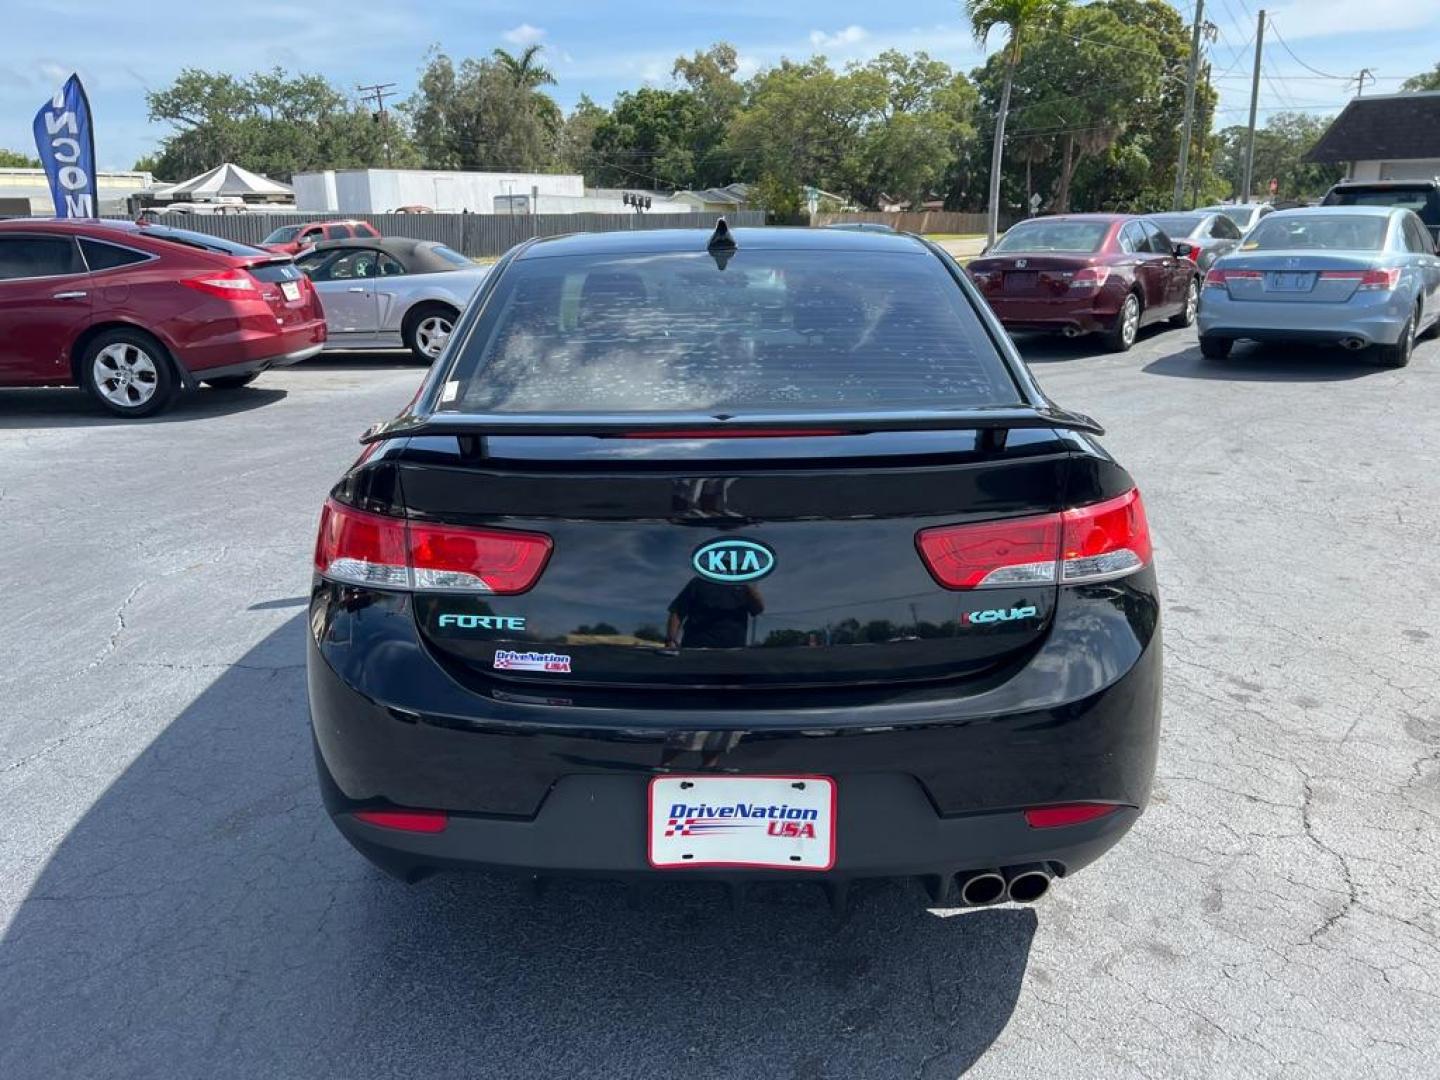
(509, 660)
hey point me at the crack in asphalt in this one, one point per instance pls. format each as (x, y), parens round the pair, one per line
(114, 639)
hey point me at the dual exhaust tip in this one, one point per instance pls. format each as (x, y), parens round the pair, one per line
(1020, 884)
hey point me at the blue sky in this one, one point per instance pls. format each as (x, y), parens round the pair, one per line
(121, 49)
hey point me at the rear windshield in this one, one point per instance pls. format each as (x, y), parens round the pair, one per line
(771, 331)
(1240, 215)
(1416, 199)
(450, 255)
(216, 244)
(1175, 224)
(1072, 236)
(283, 235)
(1327, 232)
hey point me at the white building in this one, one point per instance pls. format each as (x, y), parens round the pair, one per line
(382, 191)
(26, 191)
(1385, 137)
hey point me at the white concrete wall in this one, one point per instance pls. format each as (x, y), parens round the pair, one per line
(1414, 169)
(378, 191)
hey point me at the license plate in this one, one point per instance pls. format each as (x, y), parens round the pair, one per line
(778, 822)
(1020, 282)
(290, 290)
(1301, 282)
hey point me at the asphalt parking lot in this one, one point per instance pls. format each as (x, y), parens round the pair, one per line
(174, 903)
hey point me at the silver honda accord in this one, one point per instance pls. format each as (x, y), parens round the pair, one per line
(391, 293)
(1357, 276)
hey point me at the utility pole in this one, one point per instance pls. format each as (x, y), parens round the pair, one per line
(1359, 81)
(1202, 157)
(1189, 106)
(1254, 103)
(380, 91)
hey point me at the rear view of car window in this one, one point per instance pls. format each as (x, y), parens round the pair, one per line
(101, 256)
(38, 256)
(201, 240)
(1409, 200)
(770, 331)
(1325, 232)
(1176, 224)
(340, 232)
(1074, 236)
(451, 256)
(282, 235)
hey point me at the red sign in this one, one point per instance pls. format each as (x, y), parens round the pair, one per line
(1274, 185)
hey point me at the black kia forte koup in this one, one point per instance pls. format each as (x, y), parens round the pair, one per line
(753, 554)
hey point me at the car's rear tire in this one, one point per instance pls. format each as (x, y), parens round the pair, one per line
(427, 328)
(1215, 348)
(128, 372)
(1398, 355)
(1121, 336)
(231, 382)
(1192, 305)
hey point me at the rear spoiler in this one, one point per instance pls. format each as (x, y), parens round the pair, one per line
(621, 425)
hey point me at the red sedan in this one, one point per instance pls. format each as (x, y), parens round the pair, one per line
(1088, 273)
(135, 313)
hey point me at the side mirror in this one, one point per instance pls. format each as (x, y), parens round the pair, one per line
(1183, 250)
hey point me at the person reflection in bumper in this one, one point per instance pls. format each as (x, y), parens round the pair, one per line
(712, 615)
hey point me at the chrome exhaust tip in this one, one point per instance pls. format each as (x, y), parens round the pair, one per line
(1354, 344)
(1027, 884)
(981, 888)
(1071, 332)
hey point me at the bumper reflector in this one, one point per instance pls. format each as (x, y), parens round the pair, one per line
(1051, 817)
(416, 821)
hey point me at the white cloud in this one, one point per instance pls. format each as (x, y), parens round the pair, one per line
(524, 34)
(851, 35)
(1327, 18)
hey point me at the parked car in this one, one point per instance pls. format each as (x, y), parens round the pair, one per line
(1355, 276)
(1209, 235)
(1421, 196)
(761, 559)
(1088, 273)
(391, 293)
(135, 312)
(293, 239)
(1245, 215)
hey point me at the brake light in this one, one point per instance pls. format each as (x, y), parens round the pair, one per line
(1091, 277)
(359, 548)
(226, 284)
(738, 433)
(1380, 280)
(416, 821)
(1050, 817)
(1099, 542)
(1220, 277)
(1105, 540)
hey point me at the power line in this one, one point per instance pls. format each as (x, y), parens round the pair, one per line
(380, 91)
(1286, 46)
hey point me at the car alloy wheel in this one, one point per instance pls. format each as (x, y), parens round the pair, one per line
(1130, 321)
(125, 375)
(1192, 301)
(431, 333)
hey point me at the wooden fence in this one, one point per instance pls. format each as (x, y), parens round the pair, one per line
(470, 234)
(921, 221)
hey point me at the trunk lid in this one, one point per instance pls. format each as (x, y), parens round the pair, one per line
(731, 562)
(1298, 277)
(284, 288)
(1028, 275)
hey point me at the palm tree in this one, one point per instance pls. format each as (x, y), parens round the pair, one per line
(1020, 18)
(528, 74)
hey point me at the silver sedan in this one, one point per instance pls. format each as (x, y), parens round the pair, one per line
(391, 293)
(1356, 276)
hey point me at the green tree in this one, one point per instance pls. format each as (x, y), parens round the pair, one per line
(577, 137)
(1428, 80)
(484, 114)
(524, 70)
(1280, 147)
(1020, 19)
(652, 138)
(710, 78)
(11, 159)
(271, 122)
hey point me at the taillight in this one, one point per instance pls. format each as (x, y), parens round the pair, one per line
(416, 821)
(1220, 277)
(360, 548)
(1105, 540)
(1088, 543)
(227, 284)
(1050, 817)
(1380, 280)
(1091, 277)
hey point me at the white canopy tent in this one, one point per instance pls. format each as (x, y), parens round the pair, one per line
(224, 181)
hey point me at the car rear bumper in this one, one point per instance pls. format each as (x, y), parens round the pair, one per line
(250, 367)
(1057, 315)
(1375, 322)
(929, 785)
(254, 343)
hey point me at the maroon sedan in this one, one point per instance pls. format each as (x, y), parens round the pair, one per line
(1088, 273)
(134, 313)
